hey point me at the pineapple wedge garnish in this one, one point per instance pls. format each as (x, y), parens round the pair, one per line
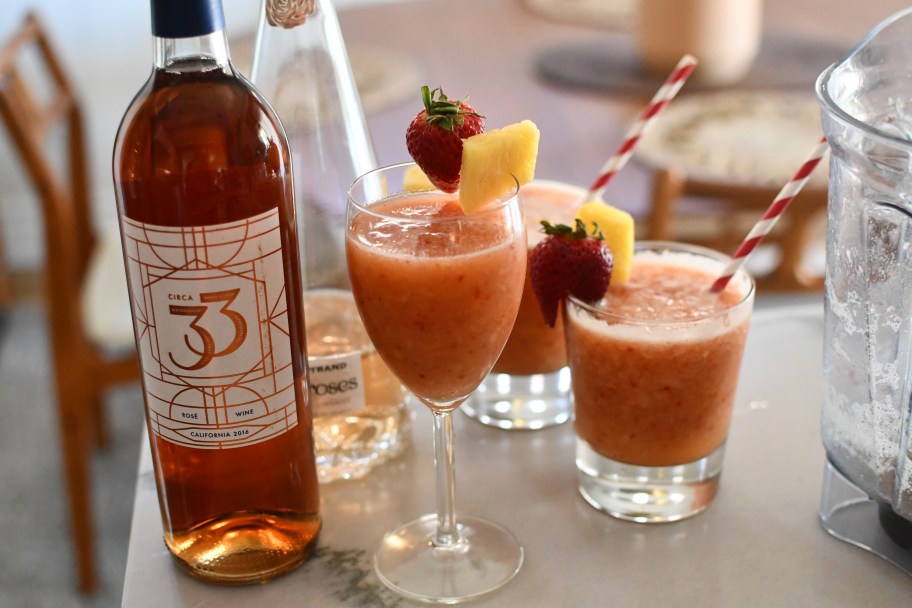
(617, 227)
(414, 180)
(493, 161)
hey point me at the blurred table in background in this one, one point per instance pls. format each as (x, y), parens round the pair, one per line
(582, 86)
(493, 50)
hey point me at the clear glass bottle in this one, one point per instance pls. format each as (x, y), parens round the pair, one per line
(301, 65)
(202, 173)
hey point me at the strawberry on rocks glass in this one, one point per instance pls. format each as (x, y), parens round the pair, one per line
(655, 366)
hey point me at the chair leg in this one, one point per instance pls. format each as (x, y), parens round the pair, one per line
(76, 463)
(100, 432)
(107, 373)
(789, 274)
(6, 289)
(667, 188)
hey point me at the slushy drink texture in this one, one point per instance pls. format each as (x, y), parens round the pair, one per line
(658, 395)
(447, 298)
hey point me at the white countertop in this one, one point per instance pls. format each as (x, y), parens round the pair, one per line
(759, 544)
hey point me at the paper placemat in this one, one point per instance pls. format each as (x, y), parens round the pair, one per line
(737, 137)
(611, 64)
(384, 78)
(593, 13)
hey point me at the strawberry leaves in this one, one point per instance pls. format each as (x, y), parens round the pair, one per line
(434, 137)
(443, 113)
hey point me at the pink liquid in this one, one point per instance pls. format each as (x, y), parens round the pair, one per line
(534, 347)
(438, 300)
(658, 394)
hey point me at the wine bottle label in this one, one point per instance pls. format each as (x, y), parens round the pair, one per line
(211, 318)
(336, 384)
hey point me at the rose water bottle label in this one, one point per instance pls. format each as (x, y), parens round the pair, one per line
(210, 311)
(336, 384)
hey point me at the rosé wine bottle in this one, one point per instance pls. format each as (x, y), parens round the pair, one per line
(202, 174)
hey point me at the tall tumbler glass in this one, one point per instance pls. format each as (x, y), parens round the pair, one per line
(529, 386)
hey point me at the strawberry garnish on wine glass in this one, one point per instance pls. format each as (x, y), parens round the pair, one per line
(569, 261)
(434, 137)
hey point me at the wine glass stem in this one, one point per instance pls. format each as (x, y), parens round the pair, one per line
(444, 456)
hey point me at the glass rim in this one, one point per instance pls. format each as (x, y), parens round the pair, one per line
(834, 111)
(494, 206)
(554, 183)
(597, 310)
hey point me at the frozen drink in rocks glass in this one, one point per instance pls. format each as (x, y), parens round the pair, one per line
(655, 366)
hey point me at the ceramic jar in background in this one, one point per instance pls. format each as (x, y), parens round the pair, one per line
(723, 34)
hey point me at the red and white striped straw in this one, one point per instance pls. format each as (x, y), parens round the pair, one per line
(664, 95)
(771, 216)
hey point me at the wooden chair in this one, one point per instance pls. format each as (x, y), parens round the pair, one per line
(82, 369)
(6, 284)
(722, 214)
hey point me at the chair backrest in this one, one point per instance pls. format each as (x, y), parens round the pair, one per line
(728, 213)
(36, 102)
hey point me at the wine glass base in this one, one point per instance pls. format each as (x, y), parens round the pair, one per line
(486, 558)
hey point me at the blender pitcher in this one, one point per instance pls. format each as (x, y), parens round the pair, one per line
(866, 108)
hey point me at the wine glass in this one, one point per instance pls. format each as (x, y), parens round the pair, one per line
(438, 291)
